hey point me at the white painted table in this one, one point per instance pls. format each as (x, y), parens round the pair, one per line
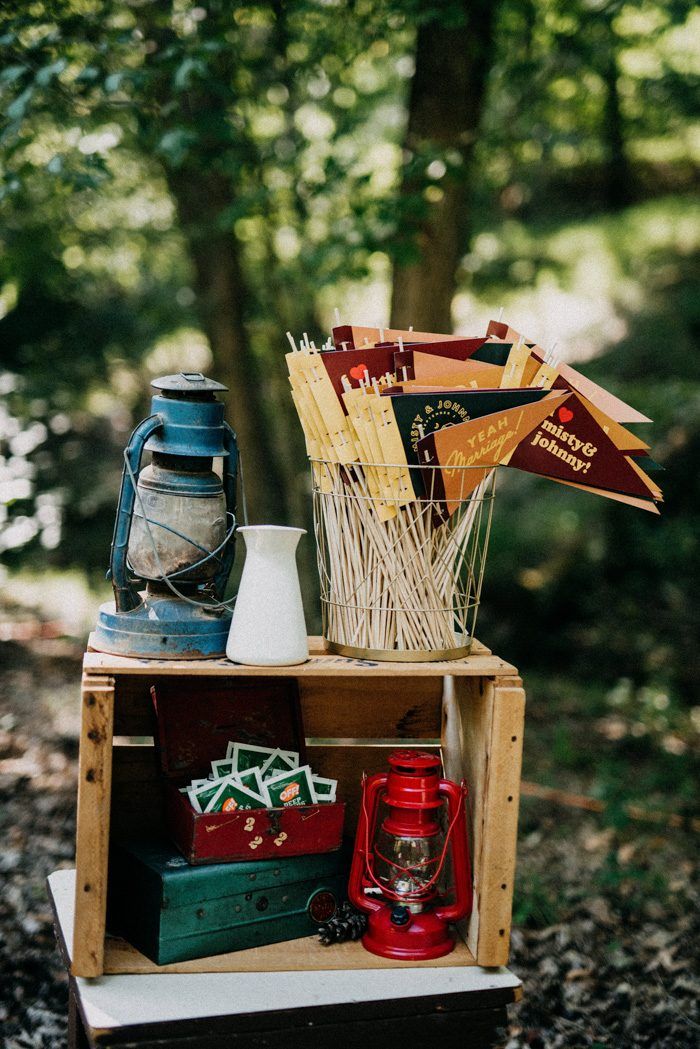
(460, 1006)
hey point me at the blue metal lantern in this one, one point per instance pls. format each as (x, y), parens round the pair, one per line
(174, 531)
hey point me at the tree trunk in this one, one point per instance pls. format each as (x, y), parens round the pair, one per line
(619, 176)
(221, 298)
(446, 101)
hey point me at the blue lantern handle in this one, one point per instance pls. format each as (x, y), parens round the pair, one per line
(232, 465)
(126, 598)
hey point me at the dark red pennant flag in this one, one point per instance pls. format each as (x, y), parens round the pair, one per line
(572, 446)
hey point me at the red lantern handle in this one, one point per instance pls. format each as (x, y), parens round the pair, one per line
(461, 866)
(371, 789)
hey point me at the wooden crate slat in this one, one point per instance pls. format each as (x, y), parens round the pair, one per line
(347, 707)
(133, 710)
(307, 953)
(94, 786)
(465, 733)
(137, 783)
(500, 827)
(481, 663)
(331, 707)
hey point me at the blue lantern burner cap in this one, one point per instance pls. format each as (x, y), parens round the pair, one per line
(188, 382)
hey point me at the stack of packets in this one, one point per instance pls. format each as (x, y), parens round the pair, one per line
(252, 777)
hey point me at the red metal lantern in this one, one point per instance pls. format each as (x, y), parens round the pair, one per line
(410, 821)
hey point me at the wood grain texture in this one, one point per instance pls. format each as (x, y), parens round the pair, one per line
(331, 706)
(92, 841)
(500, 830)
(465, 732)
(474, 706)
(492, 720)
(306, 953)
(354, 707)
(137, 783)
(133, 707)
(481, 663)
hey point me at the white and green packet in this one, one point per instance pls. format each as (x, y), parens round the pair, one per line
(223, 767)
(324, 789)
(251, 779)
(248, 755)
(294, 787)
(193, 785)
(279, 761)
(232, 797)
(201, 796)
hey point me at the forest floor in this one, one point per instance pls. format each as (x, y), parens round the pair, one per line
(606, 926)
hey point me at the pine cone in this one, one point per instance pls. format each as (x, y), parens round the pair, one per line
(346, 924)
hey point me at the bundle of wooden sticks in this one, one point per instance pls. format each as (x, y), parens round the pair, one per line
(398, 575)
(404, 431)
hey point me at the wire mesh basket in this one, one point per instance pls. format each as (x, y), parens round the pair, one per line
(400, 566)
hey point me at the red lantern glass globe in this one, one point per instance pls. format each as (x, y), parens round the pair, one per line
(411, 824)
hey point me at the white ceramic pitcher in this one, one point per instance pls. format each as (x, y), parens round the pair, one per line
(268, 628)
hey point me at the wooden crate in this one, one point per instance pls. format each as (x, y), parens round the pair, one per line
(353, 712)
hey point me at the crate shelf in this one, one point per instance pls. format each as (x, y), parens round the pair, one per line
(471, 709)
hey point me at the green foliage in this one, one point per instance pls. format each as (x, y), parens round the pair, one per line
(599, 585)
(536, 903)
(283, 122)
(631, 884)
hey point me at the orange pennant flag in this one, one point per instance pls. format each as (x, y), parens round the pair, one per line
(467, 452)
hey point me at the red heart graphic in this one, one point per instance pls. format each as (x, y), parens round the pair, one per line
(565, 414)
(358, 371)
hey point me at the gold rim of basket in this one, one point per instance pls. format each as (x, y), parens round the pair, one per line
(393, 655)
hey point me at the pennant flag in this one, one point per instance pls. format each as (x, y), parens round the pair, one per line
(434, 369)
(621, 437)
(572, 446)
(467, 452)
(418, 414)
(571, 379)
(495, 353)
(463, 402)
(351, 336)
(629, 500)
(352, 369)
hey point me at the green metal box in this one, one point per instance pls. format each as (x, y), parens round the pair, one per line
(172, 911)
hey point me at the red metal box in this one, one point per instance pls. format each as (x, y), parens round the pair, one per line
(196, 720)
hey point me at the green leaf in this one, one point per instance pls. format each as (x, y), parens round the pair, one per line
(114, 81)
(17, 109)
(47, 74)
(175, 145)
(186, 71)
(12, 73)
(8, 187)
(87, 75)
